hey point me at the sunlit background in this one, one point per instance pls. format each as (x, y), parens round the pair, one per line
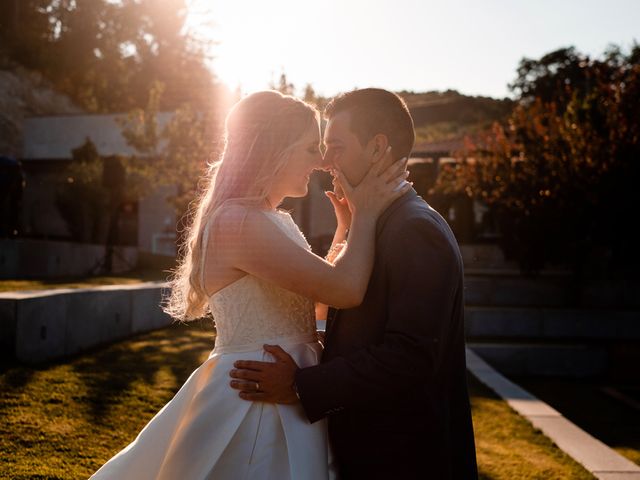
(418, 45)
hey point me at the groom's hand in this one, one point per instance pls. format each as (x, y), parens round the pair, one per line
(266, 381)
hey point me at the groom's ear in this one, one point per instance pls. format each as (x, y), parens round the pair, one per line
(378, 145)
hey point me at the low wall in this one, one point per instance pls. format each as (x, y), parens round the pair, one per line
(27, 258)
(36, 326)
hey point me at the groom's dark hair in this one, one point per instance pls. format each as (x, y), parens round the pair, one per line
(373, 111)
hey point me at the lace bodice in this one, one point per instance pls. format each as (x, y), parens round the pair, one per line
(254, 311)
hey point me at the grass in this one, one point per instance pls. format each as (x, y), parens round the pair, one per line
(509, 447)
(585, 403)
(63, 420)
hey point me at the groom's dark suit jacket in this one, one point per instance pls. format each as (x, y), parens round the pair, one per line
(392, 380)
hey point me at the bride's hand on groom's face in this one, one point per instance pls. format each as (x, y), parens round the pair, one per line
(340, 205)
(270, 382)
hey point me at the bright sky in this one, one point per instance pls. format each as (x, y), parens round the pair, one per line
(473, 46)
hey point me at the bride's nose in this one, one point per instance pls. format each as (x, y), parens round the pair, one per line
(325, 164)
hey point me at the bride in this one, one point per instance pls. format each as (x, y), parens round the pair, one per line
(248, 264)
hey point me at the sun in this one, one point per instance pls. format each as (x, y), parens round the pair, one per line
(256, 41)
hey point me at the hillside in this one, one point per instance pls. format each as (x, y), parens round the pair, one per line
(439, 116)
(449, 115)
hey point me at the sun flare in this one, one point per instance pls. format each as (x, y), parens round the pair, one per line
(257, 41)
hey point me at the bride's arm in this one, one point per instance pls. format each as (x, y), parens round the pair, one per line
(337, 246)
(256, 245)
(343, 220)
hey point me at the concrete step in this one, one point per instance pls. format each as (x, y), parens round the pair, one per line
(551, 323)
(479, 258)
(563, 360)
(551, 288)
(484, 256)
(490, 279)
(498, 289)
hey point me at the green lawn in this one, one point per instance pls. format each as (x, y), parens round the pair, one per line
(63, 420)
(509, 447)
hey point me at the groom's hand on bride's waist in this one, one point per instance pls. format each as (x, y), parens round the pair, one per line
(271, 382)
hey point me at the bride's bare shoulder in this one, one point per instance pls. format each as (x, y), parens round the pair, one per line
(246, 235)
(231, 214)
(236, 220)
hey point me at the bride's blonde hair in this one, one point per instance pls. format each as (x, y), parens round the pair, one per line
(260, 130)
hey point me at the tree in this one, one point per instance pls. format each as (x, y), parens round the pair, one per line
(561, 174)
(177, 154)
(283, 86)
(106, 55)
(83, 200)
(310, 96)
(132, 56)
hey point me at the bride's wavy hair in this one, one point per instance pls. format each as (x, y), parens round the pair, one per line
(260, 132)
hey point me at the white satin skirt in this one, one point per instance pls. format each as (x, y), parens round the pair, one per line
(208, 432)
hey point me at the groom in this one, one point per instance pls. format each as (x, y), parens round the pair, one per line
(392, 380)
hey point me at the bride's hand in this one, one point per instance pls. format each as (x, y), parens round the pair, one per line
(340, 205)
(380, 187)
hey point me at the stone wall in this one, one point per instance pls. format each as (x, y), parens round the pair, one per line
(38, 326)
(26, 258)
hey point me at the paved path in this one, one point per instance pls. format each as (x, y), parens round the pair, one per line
(603, 462)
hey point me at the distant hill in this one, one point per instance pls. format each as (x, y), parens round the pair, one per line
(450, 116)
(452, 106)
(441, 118)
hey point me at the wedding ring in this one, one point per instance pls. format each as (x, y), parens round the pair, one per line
(257, 386)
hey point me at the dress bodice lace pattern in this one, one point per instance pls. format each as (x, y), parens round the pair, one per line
(254, 311)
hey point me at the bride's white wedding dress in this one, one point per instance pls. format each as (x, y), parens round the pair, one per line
(206, 431)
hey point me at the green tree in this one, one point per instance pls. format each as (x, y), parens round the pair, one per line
(106, 55)
(83, 200)
(175, 154)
